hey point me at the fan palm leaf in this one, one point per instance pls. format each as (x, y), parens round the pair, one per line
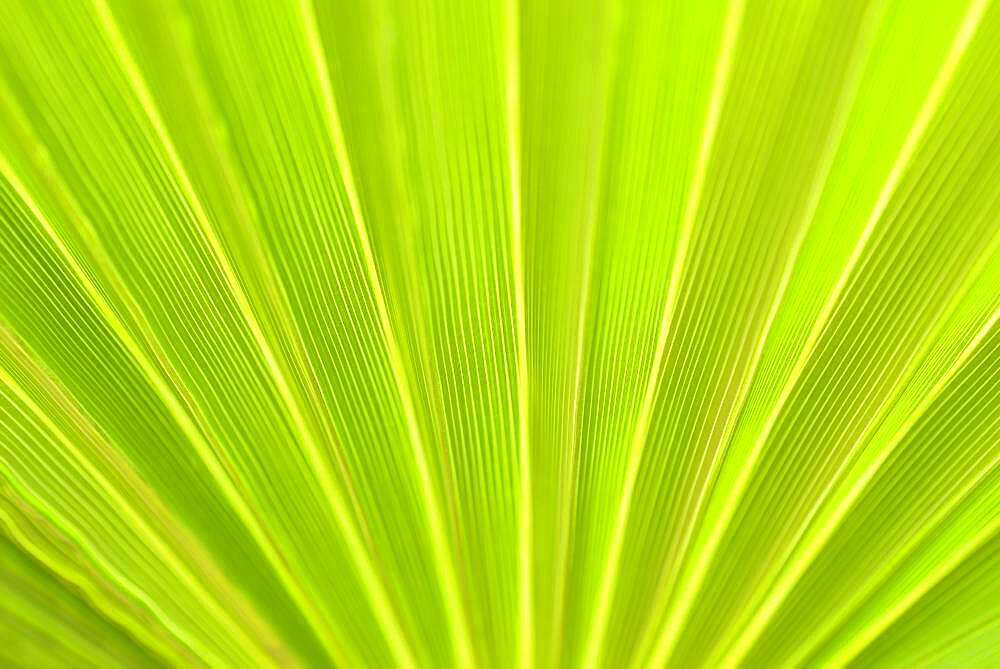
(497, 333)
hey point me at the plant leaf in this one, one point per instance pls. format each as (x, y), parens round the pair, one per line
(444, 333)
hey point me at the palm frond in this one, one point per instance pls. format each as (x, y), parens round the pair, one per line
(498, 333)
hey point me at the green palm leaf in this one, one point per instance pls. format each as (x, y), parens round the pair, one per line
(475, 333)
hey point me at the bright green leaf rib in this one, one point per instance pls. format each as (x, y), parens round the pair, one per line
(46, 622)
(134, 530)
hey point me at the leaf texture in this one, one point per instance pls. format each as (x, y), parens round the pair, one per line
(498, 333)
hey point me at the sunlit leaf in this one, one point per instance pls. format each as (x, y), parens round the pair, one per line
(496, 333)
